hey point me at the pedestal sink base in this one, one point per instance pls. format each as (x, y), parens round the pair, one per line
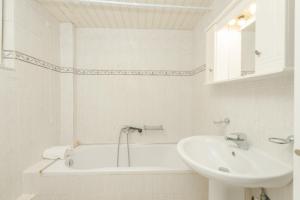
(221, 191)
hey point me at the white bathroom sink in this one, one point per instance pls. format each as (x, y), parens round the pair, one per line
(218, 159)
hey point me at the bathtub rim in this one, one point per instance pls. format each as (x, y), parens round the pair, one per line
(36, 168)
(43, 167)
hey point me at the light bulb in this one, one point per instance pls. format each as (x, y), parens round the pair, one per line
(242, 22)
(232, 22)
(252, 9)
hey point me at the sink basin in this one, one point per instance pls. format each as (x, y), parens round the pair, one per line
(218, 159)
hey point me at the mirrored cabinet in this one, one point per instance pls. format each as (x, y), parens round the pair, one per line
(250, 38)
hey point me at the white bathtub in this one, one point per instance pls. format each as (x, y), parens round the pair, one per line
(103, 159)
(157, 173)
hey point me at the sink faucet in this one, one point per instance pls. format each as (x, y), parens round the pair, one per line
(240, 139)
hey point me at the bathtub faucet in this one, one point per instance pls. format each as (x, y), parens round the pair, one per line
(130, 129)
(126, 130)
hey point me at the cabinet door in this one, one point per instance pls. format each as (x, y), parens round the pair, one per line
(270, 35)
(222, 45)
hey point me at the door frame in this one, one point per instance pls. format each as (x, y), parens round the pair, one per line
(297, 102)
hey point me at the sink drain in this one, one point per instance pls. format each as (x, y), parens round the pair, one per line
(224, 169)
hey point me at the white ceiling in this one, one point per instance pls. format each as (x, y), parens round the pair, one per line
(107, 15)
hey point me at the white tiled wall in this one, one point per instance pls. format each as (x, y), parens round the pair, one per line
(134, 49)
(67, 51)
(29, 101)
(261, 109)
(106, 103)
(8, 123)
(36, 31)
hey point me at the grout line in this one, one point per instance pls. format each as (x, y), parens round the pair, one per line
(11, 54)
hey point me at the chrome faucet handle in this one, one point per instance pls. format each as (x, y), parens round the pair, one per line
(236, 137)
(240, 139)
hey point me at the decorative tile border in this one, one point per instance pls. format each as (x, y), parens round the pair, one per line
(198, 70)
(10, 54)
(81, 71)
